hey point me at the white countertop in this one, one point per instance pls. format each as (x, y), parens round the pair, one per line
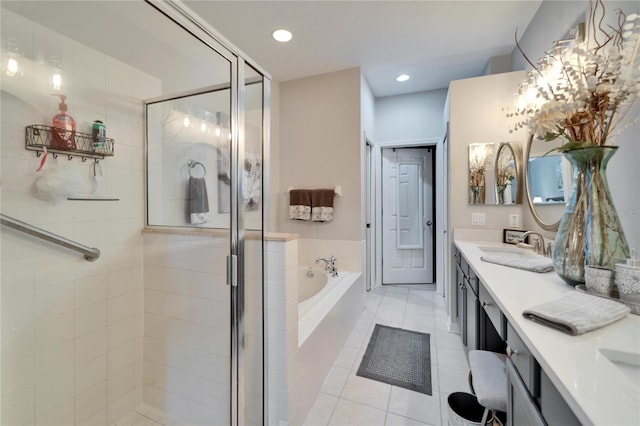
(595, 388)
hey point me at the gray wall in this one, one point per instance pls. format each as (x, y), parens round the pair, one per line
(410, 117)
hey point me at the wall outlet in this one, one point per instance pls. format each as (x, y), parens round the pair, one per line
(478, 219)
(514, 221)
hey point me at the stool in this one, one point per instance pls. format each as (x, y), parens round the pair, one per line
(489, 380)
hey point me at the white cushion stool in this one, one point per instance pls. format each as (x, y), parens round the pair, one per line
(489, 380)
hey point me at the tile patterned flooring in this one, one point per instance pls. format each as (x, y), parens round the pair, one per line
(350, 400)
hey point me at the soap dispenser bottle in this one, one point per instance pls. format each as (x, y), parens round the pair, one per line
(63, 134)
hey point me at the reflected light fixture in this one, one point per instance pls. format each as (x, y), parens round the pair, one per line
(186, 122)
(282, 35)
(12, 67)
(56, 81)
(402, 77)
(203, 127)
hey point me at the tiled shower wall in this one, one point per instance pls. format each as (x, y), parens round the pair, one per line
(71, 329)
(186, 336)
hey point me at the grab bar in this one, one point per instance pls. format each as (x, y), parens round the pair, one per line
(90, 253)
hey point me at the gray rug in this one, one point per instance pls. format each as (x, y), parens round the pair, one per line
(398, 357)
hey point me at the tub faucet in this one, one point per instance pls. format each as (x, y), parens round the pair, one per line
(329, 265)
(539, 246)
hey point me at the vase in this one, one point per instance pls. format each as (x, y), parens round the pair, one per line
(501, 189)
(589, 232)
(477, 195)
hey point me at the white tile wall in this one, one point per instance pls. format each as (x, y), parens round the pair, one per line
(71, 329)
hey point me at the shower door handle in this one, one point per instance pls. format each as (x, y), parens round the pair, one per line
(232, 270)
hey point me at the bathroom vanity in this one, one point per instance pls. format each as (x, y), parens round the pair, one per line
(553, 378)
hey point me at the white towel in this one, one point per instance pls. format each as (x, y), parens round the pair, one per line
(322, 214)
(300, 212)
(576, 313)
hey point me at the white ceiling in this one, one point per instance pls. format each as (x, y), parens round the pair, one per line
(433, 41)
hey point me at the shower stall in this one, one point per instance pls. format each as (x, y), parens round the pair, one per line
(159, 166)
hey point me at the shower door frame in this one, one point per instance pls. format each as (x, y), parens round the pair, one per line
(184, 18)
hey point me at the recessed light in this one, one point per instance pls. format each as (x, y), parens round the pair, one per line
(402, 77)
(282, 36)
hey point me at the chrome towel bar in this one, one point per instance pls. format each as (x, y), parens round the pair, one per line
(90, 253)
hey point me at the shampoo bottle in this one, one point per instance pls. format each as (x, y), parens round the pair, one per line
(63, 134)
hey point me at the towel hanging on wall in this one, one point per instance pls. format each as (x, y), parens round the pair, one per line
(300, 204)
(322, 205)
(197, 201)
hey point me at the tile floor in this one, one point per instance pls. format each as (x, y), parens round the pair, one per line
(347, 399)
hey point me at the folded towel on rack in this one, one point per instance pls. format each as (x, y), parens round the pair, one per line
(576, 313)
(197, 201)
(300, 204)
(322, 205)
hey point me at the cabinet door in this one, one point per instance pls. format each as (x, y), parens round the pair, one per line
(521, 408)
(472, 318)
(461, 303)
(553, 406)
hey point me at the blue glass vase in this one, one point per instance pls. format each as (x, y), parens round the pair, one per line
(590, 232)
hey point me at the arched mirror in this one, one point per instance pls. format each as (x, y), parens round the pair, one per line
(547, 178)
(507, 175)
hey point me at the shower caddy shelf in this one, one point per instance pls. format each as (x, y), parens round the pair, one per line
(38, 136)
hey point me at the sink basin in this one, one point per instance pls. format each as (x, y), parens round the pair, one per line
(511, 253)
(627, 362)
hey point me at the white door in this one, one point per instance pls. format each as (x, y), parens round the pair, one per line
(407, 216)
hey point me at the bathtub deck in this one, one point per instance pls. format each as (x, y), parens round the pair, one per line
(349, 399)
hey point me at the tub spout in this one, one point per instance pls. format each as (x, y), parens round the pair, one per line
(329, 265)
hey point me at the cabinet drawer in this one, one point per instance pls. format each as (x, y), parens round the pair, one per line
(493, 311)
(524, 361)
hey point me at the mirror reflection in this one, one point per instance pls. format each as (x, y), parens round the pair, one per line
(480, 161)
(548, 179)
(506, 175)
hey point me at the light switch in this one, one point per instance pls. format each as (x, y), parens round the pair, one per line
(514, 221)
(478, 219)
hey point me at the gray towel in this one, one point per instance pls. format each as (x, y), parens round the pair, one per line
(576, 313)
(533, 264)
(197, 201)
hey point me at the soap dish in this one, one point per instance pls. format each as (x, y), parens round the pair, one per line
(635, 307)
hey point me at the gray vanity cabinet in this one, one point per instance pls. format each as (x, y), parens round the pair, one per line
(467, 303)
(533, 399)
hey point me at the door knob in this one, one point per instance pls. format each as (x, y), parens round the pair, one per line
(429, 223)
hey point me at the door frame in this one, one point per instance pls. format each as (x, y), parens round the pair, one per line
(440, 207)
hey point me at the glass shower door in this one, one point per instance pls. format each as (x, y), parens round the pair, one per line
(153, 327)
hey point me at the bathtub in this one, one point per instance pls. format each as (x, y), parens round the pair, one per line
(317, 295)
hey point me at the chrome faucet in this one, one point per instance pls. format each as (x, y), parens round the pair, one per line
(538, 246)
(329, 265)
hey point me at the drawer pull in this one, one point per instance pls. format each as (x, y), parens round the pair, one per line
(511, 352)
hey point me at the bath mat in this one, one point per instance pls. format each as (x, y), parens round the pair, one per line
(398, 357)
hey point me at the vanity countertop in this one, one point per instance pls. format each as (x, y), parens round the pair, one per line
(597, 390)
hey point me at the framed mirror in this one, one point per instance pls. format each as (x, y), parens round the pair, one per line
(480, 163)
(547, 178)
(507, 175)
